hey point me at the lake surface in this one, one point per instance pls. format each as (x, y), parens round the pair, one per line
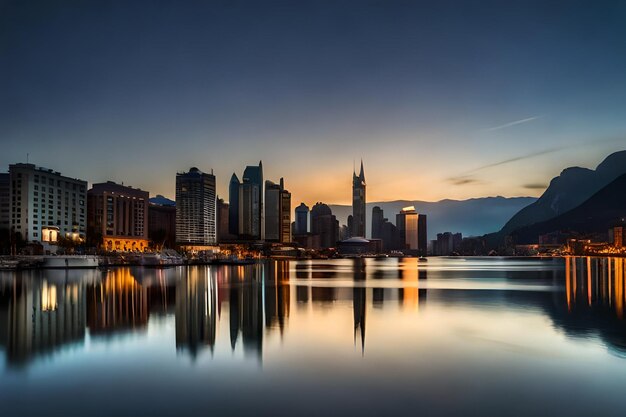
(450, 336)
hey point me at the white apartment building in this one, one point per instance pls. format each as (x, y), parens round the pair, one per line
(45, 204)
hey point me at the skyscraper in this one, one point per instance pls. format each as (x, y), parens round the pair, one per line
(358, 203)
(285, 214)
(406, 221)
(378, 219)
(422, 235)
(277, 212)
(412, 231)
(249, 207)
(223, 217)
(272, 211)
(5, 202)
(302, 219)
(195, 208)
(324, 224)
(251, 203)
(233, 205)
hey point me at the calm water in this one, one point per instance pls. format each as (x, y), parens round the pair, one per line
(443, 337)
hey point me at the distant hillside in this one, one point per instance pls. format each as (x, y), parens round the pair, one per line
(568, 190)
(473, 217)
(601, 211)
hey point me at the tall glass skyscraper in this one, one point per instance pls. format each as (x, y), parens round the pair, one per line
(195, 208)
(233, 205)
(277, 212)
(251, 203)
(358, 204)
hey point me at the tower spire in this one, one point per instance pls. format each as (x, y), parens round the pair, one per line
(362, 174)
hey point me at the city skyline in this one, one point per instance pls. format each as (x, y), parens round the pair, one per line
(344, 193)
(312, 207)
(446, 111)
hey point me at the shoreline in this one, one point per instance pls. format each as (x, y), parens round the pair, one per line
(34, 262)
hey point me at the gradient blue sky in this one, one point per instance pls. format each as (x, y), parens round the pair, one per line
(432, 95)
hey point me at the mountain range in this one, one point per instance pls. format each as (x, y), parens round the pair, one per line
(604, 209)
(473, 217)
(570, 189)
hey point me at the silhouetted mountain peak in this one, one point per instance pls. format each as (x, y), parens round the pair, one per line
(613, 165)
(572, 187)
(602, 210)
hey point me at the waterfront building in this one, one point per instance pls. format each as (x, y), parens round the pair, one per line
(233, 205)
(390, 236)
(412, 231)
(406, 222)
(249, 206)
(285, 214)
(162, 221)
(358, 204)
(447, 244)
(117, 216)
(378, 219)
(46, 204)
(308, 241)
(350, 226)
(618, 236)
(195, 209)
(272, 211)
(344, 232)
(422, 235)
(384, 230)
(5, 202)
(250, 201)
(302, 219)
(277, 212)
(324, 224)
(223, 218)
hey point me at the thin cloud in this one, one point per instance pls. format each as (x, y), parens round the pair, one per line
(516, 122)
(519, 158)
(467, 178)
(535, 186)
(464, 180)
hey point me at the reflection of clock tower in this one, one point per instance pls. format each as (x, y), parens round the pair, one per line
(358, 203)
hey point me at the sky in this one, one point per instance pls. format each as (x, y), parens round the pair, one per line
(440, 99)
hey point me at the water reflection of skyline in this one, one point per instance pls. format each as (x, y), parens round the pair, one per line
(45, 311)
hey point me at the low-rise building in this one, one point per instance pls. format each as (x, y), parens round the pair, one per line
(118, 217)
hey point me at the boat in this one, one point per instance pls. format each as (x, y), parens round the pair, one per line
(70, 261)
(163, 259)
